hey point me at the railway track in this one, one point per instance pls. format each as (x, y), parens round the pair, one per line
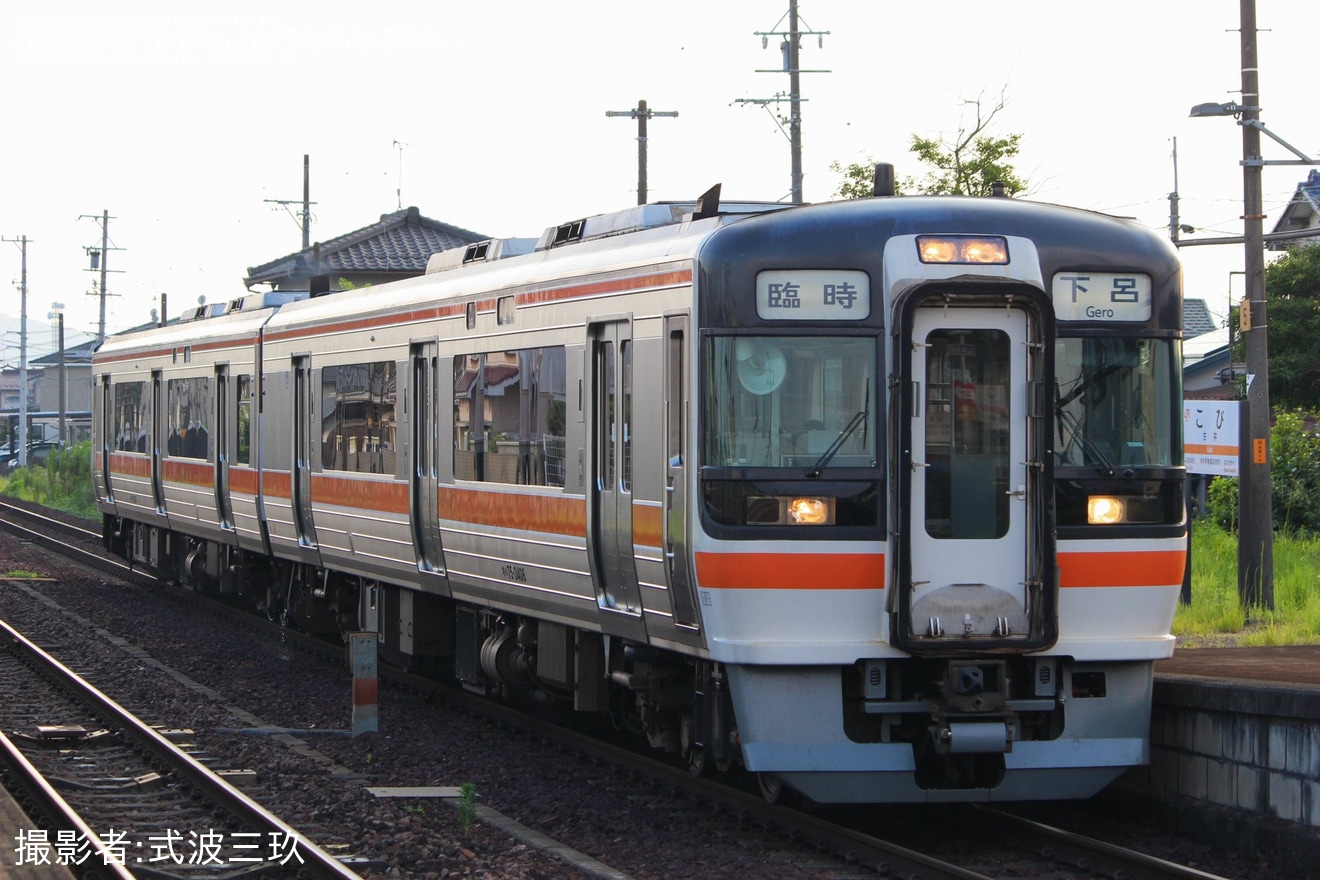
(993, 843)
(133, 797)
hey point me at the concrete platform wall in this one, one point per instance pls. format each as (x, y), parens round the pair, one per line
(1250, 747)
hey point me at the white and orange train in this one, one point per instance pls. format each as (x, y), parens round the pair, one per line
(881, 499)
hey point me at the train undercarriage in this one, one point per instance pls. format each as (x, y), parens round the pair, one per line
(959, 718)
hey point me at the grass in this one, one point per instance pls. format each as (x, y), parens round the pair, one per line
(1216, 618)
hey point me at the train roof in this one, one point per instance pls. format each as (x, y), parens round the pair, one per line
(673, 231)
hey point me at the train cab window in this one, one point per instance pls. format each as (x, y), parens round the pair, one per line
(360, 431)
(510, 416)
(788, 432)
(190, 408)
(1116, 400)
(790, 402)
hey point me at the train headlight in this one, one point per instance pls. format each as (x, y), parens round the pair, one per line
(810, 511)
(781, 510)
(983, 250)
(1105, 510)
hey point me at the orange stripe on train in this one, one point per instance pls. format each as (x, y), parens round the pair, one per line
(383, 496)
(1130, 569)
(791, 571)
(506, 510)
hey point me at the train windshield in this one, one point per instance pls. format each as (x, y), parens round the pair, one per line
(1115, 403)
(790, 401)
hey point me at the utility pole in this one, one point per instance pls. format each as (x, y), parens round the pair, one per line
(1173, 198)
(789, 46)
(641, 113)
(99, 260)
(22, 242)
(1256, 509)
(304, 218)
(1255, 491)
(57, 312)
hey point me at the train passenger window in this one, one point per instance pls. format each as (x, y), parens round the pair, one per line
(790, 401)
(244, 455)
(189, 409)
(520, 396)
(1115, 402)
(360, 432)
(132, 417)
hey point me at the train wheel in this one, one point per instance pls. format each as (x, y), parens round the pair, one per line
(698, 762)
(772, 788)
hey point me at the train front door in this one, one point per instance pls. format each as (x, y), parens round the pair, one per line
(969, 541)
(609, 515)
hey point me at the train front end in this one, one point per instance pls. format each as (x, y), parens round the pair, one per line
(937, 526)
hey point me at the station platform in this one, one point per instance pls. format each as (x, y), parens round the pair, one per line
(1297, 665)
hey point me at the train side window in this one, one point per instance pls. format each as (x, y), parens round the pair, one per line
(189, 410)
(361, 432)
(244, 455)
(130, 419)
(520, 397)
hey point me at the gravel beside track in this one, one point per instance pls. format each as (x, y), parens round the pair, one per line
(620, 821)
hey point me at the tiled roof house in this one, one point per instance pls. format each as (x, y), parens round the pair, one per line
(1303, 212)
(398, 246)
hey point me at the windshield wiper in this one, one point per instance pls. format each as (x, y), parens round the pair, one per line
(1105, 467)
(858, 419)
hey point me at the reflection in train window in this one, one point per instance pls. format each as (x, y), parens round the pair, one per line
(188, 413)
(359, 427)
(132, 417)
(509, 416)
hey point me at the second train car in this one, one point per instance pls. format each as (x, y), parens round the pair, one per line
(881, 499)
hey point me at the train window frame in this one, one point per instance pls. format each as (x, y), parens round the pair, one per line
(243, 453)
(189, 411)
(368, 442)
(519, 445)
(740, 372)
(132, 416)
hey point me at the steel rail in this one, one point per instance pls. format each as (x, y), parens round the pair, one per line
(315, 861)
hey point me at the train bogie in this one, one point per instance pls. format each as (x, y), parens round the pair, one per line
(811, 490)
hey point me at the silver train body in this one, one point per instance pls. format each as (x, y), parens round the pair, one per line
(880, 500)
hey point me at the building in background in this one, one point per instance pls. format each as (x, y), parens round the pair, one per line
(1303, 212)
(397, 246)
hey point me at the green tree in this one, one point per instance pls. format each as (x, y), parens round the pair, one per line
(968, 164)
(1292, 290)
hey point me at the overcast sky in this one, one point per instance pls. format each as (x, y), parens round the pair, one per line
(186, 121)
